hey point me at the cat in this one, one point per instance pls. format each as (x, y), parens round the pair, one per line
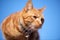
(23, 25)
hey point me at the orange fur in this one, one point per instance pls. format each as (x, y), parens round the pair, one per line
(11, 25)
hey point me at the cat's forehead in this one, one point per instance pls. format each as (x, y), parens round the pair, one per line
(34, 12)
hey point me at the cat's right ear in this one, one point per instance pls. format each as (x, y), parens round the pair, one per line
(29, 5)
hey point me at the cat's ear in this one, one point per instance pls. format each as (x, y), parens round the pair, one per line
(29, 5)
(42, 9)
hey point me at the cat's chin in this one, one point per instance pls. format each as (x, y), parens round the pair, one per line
(33, 28)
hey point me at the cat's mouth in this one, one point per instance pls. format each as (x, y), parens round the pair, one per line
(33, 28)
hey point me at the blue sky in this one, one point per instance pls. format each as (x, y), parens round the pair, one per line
(51, 27)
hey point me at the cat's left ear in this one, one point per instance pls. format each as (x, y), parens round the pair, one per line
(42, 9)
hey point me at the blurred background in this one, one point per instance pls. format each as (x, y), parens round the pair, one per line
(51, 27)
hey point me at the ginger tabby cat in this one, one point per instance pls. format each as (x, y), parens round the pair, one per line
(23, 25)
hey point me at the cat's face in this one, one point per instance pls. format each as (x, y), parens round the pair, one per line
(33, 18)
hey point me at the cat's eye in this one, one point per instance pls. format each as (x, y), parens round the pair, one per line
(35, 17)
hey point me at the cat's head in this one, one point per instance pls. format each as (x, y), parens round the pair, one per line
(33, 18)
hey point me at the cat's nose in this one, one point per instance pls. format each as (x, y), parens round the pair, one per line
(42, 20)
